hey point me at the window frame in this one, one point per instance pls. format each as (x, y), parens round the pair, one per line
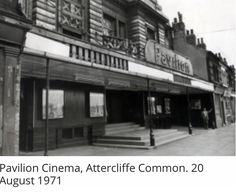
(111, 20)
(215, 73)
(125, 29)
(157, 33)
(70, 31)
(148, 36)
(118, 19)
(152, 28)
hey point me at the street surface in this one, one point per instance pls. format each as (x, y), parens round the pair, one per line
(218, 142)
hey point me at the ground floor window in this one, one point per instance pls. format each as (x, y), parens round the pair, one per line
(96, 103)
(55, 104)
(71, 133)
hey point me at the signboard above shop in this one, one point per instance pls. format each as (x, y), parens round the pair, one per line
(162, 56)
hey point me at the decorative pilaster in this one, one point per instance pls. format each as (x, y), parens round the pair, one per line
(137, 33)
(15, 27)
(10, 101)
(45, 13)
(1, 94)
(95, 21)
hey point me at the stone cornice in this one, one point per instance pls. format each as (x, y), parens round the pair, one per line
(19, 22)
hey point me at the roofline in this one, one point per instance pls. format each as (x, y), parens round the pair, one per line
(159, 14)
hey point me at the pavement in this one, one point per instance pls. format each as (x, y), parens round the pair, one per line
(217, 142)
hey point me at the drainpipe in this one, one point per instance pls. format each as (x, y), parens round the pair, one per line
(47, 104)
(152, 139)
(189, 113)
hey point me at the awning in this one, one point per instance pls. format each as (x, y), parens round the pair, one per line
(75, 70)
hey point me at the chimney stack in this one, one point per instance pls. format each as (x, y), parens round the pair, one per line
(179, 27)
(225, 61)
(175, 20)
(201, 44)
(198, 42)
(180, 16)
(191, 38)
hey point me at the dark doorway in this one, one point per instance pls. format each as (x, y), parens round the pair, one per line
(179, 110)
(124, 106)
(26, 118)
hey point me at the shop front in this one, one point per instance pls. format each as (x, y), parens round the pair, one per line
(179, 106)
(224, 106)
(84, 95)
(79, 105)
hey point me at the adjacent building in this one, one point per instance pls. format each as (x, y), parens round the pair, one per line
(210, 67)
(223, 77)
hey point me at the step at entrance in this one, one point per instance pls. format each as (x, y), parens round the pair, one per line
(131, 135)
(112, 129)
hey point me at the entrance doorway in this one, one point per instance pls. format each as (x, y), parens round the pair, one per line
(124, 106)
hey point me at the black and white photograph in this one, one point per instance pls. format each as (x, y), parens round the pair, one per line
(117, 77)
(117, 96)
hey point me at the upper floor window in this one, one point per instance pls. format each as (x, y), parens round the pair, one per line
(230, 80)
(113, 27)
(122, 30)
(215, 73)
(224, 76)
(157, 33)
(72, 16)
(150, 34)
(109, 25)
(26, 7)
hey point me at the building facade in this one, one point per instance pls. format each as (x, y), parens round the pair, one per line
(223, 77)
(210, 67)
(101, 62)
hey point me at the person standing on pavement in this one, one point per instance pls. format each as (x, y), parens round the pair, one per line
(205, 117)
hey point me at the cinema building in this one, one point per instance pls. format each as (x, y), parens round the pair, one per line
(104, 64)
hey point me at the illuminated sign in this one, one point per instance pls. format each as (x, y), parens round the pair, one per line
(155, 53)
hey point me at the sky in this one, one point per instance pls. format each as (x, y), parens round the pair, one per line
(214, 20)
